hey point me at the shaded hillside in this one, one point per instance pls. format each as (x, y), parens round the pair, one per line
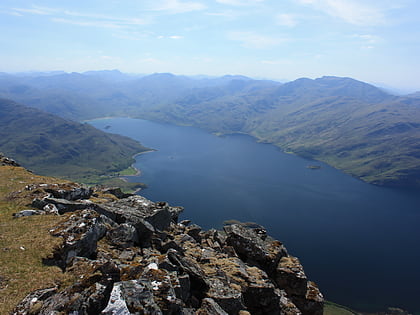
(51, 145)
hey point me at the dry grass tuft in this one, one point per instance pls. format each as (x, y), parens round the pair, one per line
(24, 242)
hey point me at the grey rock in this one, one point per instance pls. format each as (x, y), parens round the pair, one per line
(124, 235)
(33, 300)
(27, 213)
(71, 194)
(116, 191)
(185, 287)
(291, 277)
(194, 231)
(89, 295)
(51, 209)
(262, 298)
(287, 307)
(116, 304)
(192, 268)
(141, 297)
(5, 161)
(312, 303)
(185, 222)
(209, 306)
(250, 247)
(229, 299)
(80, 236)
(63, 205)
(134, 208)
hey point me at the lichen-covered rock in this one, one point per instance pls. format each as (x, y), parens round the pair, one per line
(70, 194)
(133, 208)
(88, 295)
(290, 275)
(5, 161)
(312, 303)
(80, 234)
(209, 306)
(62, 205)
(253, 248)
(123, 235)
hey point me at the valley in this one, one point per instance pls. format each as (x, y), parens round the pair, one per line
(353, 126)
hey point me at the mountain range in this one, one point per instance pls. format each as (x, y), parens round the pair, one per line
(349, 124)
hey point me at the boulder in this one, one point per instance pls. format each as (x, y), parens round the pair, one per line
(254, 250)
(78, 193)
(312, 303)
(62, 205)
(133, 208)
(116, 303)
(116, 191)
(291, 277)
(5, 161)
(124, 235)
(80, 234)
(220, 291)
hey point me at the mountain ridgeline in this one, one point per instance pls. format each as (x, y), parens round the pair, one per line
(51, 145)
(351, 125)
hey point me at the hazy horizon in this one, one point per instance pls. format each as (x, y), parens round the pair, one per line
(372, 41)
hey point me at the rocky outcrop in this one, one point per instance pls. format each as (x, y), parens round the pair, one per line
(132, 256)
(5, 161)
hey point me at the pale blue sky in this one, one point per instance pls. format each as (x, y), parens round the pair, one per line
(371, 40)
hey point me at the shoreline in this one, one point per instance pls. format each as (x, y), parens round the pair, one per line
(138, 171)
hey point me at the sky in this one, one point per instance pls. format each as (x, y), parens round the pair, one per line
(376, 41)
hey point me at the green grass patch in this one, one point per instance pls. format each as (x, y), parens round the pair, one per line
(331, 308)
(128, 171)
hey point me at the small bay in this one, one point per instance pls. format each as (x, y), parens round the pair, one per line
(358, 242)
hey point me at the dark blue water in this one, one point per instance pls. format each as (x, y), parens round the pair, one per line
(359, 242)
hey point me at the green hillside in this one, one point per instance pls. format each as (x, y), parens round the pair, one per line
(53, 146)
(348, 124)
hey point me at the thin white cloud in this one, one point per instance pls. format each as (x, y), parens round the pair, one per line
(240, 2)
(175, 37)
(100, 24)
(177, 6)
(255, 40)
(367, 41)
(288, 20)
(14, 13)
(355, 12)
(113, 19)
(230, 14)
(82, 19)
(368, 38)
(35, 10)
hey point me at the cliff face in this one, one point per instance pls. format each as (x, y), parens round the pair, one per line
(131, 256)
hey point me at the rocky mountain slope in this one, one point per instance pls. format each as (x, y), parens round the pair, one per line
(53, 146)
(129, 255)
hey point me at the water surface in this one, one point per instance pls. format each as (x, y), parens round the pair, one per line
(359, 242)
